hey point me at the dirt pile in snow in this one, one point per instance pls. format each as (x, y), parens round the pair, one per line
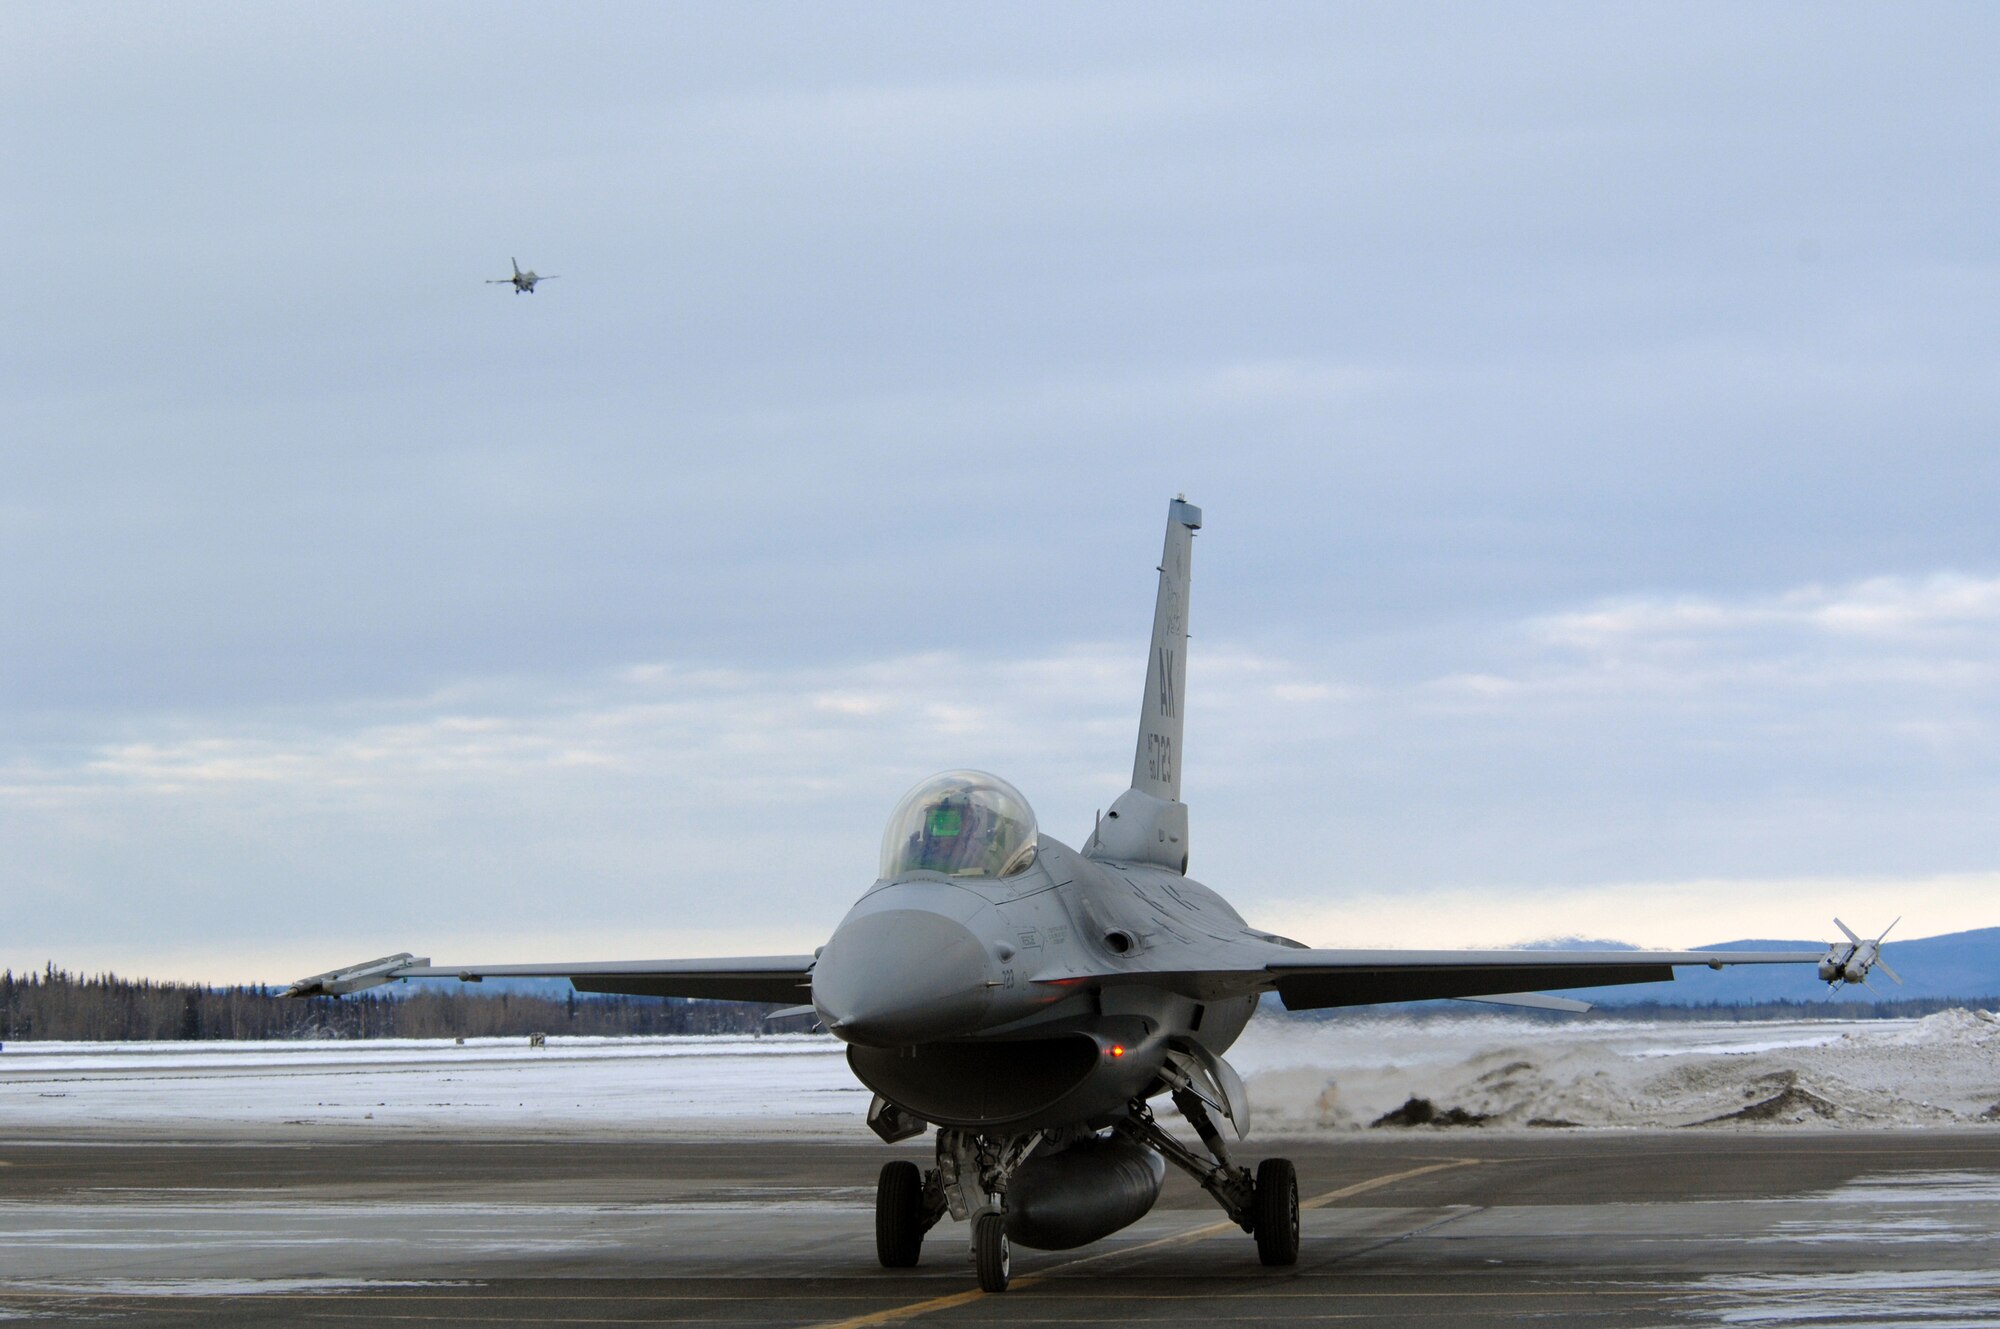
(1502, 1072)
(1423, 1112)
(1786, 1101)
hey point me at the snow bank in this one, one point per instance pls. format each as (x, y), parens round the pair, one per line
(689, 1085)
(1342, 1076)
(1303, 1077)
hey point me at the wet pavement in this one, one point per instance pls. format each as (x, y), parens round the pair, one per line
(1782, 1227)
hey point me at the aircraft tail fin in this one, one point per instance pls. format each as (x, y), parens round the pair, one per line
(517, 265)
(1148, 823)
(1156, 767)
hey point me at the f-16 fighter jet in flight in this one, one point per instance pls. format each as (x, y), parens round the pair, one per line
(521, 281)
(1033, 1003)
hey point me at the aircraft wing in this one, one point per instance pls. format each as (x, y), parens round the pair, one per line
(1307, 979)
(1311, 979)
(786, 979)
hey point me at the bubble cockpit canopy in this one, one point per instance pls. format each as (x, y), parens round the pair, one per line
(962, 824)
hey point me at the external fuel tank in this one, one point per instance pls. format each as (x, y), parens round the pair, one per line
(1089, 1189)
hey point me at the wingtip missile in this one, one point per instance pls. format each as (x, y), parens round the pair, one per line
(1852, 962)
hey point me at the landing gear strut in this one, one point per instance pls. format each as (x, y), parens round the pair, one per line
(974, 1172)
(1265, 1205)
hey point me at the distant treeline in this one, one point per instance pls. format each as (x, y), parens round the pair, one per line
(54, 1004)
(1908, 1008)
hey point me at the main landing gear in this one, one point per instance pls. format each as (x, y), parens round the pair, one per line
(1265, 1205)
(1274, 1219)
(901, 1216)
(973, 1173)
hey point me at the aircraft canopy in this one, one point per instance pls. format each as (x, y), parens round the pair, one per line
(962, 824)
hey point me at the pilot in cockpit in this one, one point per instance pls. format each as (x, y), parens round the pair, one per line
(960, 824)
(954, 837)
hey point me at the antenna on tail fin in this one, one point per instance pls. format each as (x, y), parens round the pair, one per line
(1148, 822)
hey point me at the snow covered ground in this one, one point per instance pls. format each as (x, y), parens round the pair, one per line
(1345, 1075)
(792, 1083)
(1303, 1078)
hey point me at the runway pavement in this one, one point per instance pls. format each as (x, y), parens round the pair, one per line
(1779, 1227)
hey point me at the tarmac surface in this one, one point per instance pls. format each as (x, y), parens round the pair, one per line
(1751, 1226)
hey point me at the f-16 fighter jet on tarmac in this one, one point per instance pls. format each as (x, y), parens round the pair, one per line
(1032, 1001)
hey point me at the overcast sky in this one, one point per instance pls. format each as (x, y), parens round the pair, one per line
(1594, 409)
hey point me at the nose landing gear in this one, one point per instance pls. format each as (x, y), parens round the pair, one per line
(992, 1258)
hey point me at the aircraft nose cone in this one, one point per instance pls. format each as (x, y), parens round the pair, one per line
(901, 976)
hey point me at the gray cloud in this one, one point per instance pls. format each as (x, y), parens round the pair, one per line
(1570, 755)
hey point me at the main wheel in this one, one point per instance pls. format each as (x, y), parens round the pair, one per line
(990, 1253)
(1275, 1212)
(899, 1215)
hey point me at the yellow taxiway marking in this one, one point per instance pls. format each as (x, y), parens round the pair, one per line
(916, 1308)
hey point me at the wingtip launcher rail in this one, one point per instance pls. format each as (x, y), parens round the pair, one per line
(355, 978)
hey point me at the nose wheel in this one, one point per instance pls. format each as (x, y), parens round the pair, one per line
(991, 1255)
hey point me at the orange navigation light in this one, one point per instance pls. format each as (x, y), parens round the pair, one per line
(1117, 1049)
